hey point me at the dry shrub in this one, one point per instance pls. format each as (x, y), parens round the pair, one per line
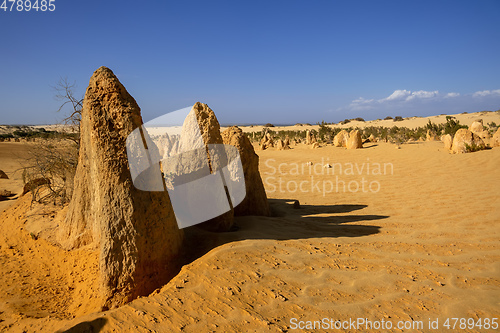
(54, 160)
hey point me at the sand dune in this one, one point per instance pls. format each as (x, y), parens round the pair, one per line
(422, 242)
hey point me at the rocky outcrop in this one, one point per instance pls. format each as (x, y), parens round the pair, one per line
(315, 145)
(477, 126)
(465, 141)
(282, 145)
(495, 141)
(5, 195)
(255, 202)
(448, 141)
(135, 231)
(354, 141)
(267, 141)
(308, 137)
(431, 136)
(34, 183)
(340, 140)
(210, 132)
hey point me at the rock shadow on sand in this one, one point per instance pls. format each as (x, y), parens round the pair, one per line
(93, 326)
(286, 223)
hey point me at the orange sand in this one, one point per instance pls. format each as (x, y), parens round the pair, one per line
(425, 245)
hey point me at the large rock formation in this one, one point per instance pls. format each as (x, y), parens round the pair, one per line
(477, 126)
(282, 145)
(135, 231)
(465, 141)
(448, 141)
(431, 136)
(340, 140)
(354, 141)
(308, 138)
(255, 202)
(267, 141)
(210, 132)
(495, 141)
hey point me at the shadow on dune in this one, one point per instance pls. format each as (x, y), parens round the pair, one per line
(286, 223)
(93, 326)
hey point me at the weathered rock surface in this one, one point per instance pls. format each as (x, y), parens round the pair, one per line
(255, 202)
(135, 231)
(477, 126)
(465, 141)
(448, 141)
(266, 141)
(431, 136)
(340, 140)
(282, 145)
(354, 141)
(34, 183)
(495, 141)
(3, 175)
(4, 195)
(210, 132)
(308, 137)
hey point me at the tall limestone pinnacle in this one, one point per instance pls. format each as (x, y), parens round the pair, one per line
(135, 231)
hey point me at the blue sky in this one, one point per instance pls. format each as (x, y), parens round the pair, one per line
(258, 61)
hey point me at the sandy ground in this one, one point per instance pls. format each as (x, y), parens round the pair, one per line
(413, 236)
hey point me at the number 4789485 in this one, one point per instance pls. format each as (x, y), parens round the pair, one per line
(27, 5)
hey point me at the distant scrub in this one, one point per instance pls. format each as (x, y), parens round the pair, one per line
(396, 134)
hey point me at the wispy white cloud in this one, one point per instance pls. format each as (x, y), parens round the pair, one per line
(397, 95)
(403, 100)
(422, 94)
(486, 93)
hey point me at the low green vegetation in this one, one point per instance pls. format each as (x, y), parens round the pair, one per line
(396, 134)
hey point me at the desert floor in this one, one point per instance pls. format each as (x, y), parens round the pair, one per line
(413, 236)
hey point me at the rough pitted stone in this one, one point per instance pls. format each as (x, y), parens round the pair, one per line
(431, 136)
(463, 138)
(210, 132)
(495, 141)
(308, 138)
(477, 126)
(34, 183)
(135, 231)
(354, 141)
(340, 140)
(5, 195)
(255, 202)
(282, 145)
(448, 141)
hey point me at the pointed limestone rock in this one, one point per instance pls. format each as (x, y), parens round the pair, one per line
(255, 202)
(210, 132)
(354, 141)
(135, 231)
